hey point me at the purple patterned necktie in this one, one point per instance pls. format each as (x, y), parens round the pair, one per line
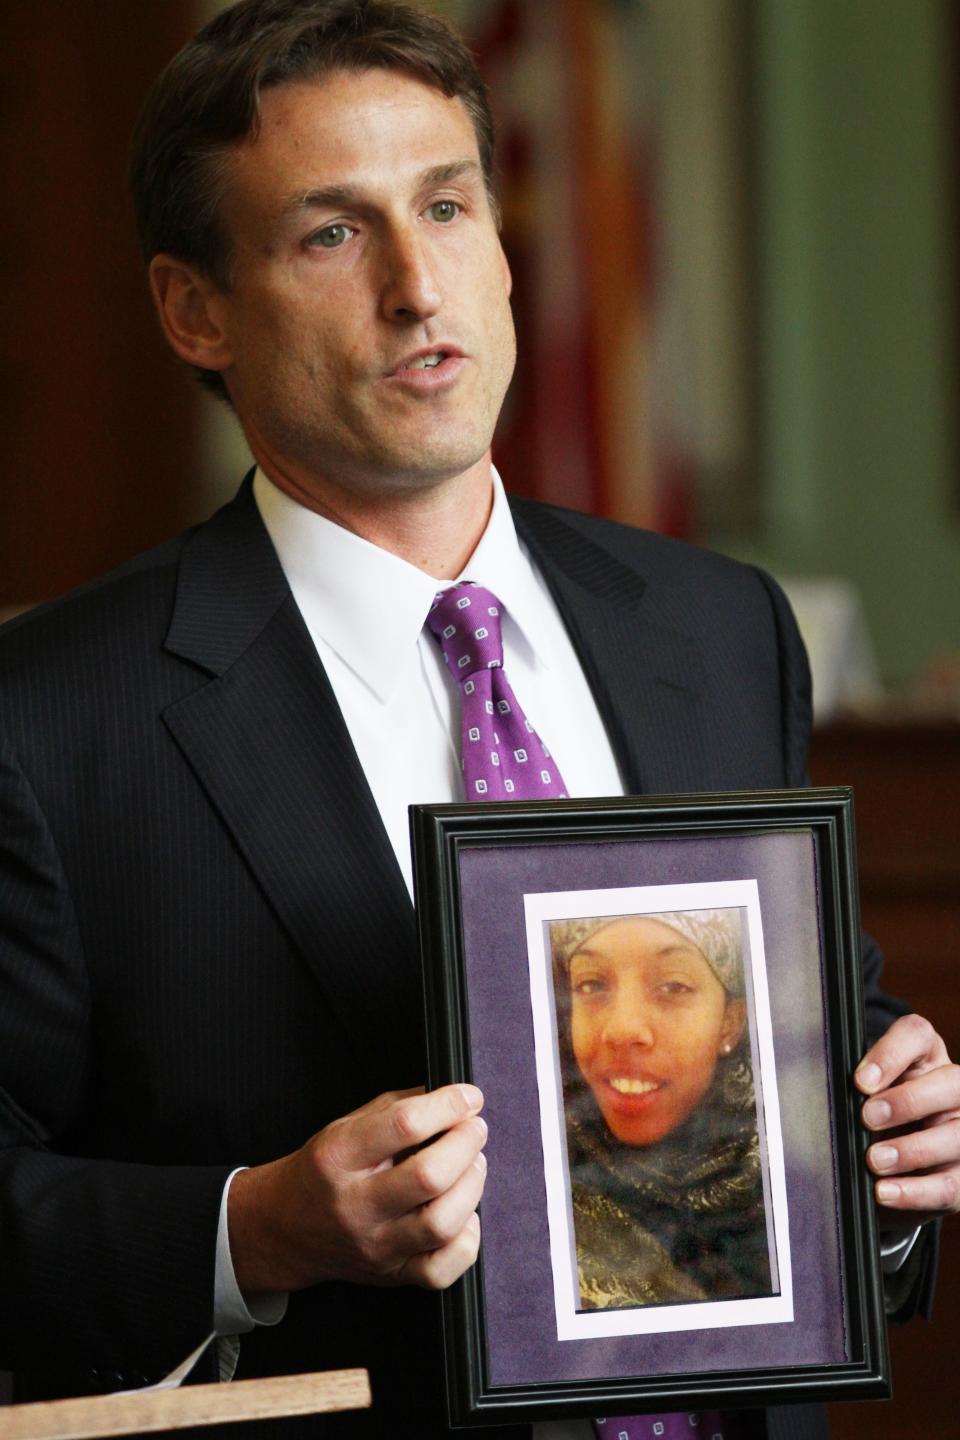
(502, 756)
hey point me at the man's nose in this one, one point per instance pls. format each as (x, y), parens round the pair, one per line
(410, 289)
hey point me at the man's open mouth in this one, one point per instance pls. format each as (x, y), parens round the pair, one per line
(426, 362)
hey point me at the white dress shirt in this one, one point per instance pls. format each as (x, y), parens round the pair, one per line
(365, 610)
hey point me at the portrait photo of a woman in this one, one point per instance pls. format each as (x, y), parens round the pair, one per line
(666, 1181)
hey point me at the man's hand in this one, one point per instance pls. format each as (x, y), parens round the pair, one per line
(914, 1109)
(385, 1196)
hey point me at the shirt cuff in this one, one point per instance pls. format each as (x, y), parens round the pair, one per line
(232, 1315)
(893, 1254)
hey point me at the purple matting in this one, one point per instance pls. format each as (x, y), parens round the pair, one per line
(515, 1259)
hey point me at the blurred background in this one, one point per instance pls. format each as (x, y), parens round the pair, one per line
(733, 227)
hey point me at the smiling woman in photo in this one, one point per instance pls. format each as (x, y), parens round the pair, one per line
(665, 1172)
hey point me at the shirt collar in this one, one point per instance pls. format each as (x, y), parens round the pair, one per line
(501, 564)
(369, 605)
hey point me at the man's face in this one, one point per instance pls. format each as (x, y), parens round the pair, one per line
(364, 245)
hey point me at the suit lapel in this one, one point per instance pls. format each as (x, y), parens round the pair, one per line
(645, 675)
(266, 740)
(268, 744)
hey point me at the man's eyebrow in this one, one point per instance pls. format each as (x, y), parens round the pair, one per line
(335, 197)
(455, 170)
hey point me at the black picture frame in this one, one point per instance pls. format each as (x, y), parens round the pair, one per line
(481, 872)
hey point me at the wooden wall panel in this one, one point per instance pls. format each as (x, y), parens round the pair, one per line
(99, 425)
(906, 781)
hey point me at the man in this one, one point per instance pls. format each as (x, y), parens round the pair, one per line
(208, 951)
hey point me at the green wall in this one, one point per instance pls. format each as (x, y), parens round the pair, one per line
(856, 114)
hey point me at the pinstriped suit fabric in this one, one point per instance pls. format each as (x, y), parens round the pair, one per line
(206, 948)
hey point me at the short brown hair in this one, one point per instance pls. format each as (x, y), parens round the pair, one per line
(208, 98)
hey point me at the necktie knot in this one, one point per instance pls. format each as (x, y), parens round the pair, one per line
(501, 755)
(466, 621)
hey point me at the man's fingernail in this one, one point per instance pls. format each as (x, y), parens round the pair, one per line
(876, 1112)
(472, 1096)
(887, 1190)
(473, 1223)
(884, 1157)
(869, 1076)
(481, 1162)
(480, 1124)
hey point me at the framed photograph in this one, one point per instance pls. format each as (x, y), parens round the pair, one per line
(662, 1003)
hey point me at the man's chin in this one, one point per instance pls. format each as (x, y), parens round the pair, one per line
(419, 469)
(427, 479)
(399, 466)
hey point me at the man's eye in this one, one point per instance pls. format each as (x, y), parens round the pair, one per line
(331, 237)
(587, 987)
(444, 211)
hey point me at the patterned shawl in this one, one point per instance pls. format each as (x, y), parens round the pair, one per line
(680, 1220)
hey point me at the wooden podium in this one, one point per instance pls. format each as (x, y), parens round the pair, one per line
(140, 1411)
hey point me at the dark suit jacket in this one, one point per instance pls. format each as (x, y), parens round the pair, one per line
(206, 948)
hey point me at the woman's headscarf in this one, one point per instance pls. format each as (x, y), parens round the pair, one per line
(715, 933)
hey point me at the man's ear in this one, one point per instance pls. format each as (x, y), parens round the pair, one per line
(189, 315)
(731, 1029)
